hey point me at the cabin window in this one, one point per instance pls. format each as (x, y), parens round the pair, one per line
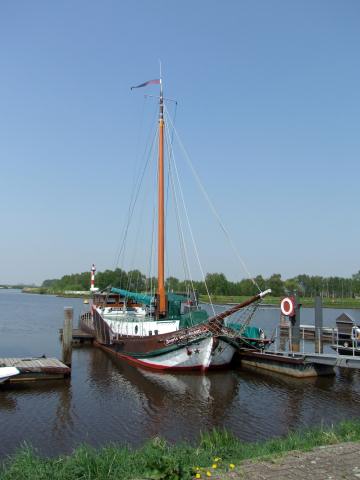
(136, 329)
(156, 332)
(150, 332)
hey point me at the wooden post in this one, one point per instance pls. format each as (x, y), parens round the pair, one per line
(295, 328)
(318, 325)
(67, 336)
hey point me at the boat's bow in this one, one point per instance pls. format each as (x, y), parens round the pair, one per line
(8, 372)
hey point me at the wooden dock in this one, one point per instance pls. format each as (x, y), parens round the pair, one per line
(79, 337)
(33, 369)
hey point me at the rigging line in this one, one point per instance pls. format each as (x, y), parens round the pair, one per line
(170, 151)
(135, 247)
(135, 177)
(167, 257)
(177, 217)
(150, 268)
(202, 188)
(191, 232)
(168, 182)
(152, 243)
(193, 240)
(183, 250)
(182, 243)
(133, 193)
(133, 203)
(174, 120)
(138, 236)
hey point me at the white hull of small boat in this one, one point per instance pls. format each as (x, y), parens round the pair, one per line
(8, 372)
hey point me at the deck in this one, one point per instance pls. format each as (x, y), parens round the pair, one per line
(32, 369)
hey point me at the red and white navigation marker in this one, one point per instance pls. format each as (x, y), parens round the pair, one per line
(92, 283)
(287, 306)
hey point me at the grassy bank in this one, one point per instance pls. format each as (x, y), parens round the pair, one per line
(275, 301)
(49, 291)
(37, 290)
(216, 451)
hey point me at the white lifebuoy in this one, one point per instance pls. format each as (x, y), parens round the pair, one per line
(287, 306)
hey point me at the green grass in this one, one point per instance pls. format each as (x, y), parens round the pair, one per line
(305, 301)
(159, 460)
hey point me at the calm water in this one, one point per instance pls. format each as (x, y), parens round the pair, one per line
(107, 400)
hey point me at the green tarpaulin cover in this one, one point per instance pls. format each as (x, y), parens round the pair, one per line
(249, 332)
(142, 298)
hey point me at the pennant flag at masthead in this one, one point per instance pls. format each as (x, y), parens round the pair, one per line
(156, 81)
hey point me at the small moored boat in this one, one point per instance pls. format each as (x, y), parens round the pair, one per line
(8, 372)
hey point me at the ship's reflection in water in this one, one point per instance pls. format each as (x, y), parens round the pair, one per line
(107, 400)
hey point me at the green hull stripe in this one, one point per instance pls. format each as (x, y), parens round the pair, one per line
(161, 351)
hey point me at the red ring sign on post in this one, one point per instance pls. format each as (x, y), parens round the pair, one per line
(288, 306)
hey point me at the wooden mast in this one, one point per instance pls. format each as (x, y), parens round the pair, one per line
(161, 296)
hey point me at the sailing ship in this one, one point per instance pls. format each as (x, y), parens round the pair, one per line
(169, 331)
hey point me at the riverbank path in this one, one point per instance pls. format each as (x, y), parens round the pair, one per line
(332, 462)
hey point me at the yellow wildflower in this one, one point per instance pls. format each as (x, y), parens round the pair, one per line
(198, 475)
(232, 465)
(217, 459)
(214, 465)
(208, 473)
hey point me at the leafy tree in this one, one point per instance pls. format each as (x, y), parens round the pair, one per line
(276, 285)
(217, 283)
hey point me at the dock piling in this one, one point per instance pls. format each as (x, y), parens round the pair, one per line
(318, 325)
(67, 335)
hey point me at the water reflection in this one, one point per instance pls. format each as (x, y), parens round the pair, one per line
(7, 401)
(64, 412)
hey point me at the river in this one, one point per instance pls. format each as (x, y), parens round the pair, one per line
(109, 401)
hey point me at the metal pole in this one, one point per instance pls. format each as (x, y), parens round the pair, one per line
(67, 336)
(353, 344)
(290, 338)
(318, 325)
(295, 334)
(303, 340)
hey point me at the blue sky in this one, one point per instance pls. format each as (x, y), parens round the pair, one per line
(269, 109)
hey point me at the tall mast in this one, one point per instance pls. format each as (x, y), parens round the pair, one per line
(162, 303)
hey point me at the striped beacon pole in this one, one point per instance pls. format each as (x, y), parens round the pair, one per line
(92, 283)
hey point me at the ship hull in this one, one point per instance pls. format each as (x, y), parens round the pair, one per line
(203, 354)
(194, 348)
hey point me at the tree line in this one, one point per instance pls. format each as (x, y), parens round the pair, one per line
(217, 283)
